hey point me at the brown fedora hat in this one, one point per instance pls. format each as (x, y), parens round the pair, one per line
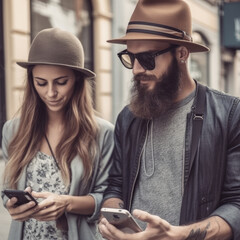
(53, 46)
(162, 20)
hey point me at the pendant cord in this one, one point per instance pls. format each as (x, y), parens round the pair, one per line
(152, 150)
(50, 148)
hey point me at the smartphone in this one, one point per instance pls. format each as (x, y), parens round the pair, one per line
(22, 196)
(122, 219)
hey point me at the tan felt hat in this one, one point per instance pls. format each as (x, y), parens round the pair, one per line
(163, 20)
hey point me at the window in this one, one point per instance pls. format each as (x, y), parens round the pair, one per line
(199, 65)
(74, 16)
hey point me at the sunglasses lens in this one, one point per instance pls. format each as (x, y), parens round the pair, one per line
(146, 60)
(126, 60)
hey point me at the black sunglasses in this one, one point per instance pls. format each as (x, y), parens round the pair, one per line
(146, 59)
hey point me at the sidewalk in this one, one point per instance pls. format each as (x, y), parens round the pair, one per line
(5, 218)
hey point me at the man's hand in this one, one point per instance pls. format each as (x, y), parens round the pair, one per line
(159, 229)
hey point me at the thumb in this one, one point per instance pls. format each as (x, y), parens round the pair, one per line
(141, 215)
(144, 216)
(40, 194)
(28, 189)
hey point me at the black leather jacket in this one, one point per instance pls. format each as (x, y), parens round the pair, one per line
(212, 184)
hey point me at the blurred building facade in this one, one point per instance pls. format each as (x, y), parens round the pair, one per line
(95, 21)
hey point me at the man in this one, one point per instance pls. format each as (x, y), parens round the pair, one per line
(177, 144)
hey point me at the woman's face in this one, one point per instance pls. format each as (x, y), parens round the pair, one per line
(54, 85)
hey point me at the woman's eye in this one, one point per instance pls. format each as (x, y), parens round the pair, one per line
(62, 83)
(41, 84)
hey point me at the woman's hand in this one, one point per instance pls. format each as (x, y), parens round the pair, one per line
(51, 207)
(22, 212)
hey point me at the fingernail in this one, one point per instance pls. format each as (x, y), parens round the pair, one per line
(32, 203)
(104, 221)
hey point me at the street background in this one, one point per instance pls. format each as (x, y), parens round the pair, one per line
(216, 24)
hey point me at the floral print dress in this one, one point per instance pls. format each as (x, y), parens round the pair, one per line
(43, 175)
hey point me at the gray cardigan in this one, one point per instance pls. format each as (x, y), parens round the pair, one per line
(80, 227)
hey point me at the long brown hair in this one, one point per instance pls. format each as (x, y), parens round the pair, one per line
(79, 135)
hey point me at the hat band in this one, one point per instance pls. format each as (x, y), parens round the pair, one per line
(157, 29)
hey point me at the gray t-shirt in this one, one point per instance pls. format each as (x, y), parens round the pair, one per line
(159, 189)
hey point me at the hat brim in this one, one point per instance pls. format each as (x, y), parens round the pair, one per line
(191, 46)
(86, 72)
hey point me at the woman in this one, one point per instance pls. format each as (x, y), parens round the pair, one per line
(57, 150)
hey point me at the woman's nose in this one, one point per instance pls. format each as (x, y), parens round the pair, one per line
(52, 92)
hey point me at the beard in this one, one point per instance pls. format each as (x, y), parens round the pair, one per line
(148, 104)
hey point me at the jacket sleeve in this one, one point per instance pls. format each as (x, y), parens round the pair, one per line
(9, 129)
(114, 189)
(229, 208)
(106, 144)
(5, 141)
(5, 156)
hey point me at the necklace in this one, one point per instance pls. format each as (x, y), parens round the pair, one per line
(152, 151)
(50, 148)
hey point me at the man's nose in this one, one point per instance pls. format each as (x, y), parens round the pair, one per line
(137, 67)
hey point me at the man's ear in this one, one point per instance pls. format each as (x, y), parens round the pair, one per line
(182, 54)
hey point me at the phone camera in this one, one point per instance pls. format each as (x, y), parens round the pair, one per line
(116, 216)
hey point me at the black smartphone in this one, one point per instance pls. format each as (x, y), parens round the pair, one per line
(22, 196)
(122, 219)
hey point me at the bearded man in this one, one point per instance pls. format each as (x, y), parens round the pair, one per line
(177, 144)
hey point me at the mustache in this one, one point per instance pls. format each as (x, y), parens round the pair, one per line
(144, 77)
